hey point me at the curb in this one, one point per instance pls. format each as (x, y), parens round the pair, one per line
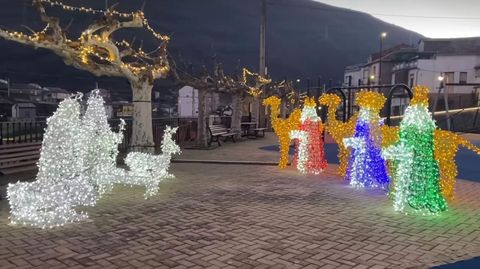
(224, 162)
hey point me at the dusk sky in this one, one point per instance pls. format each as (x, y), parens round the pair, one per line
(431, 18)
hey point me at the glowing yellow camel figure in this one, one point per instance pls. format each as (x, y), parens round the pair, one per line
(282, 127)
(389, 135)
(338, 129)
(446, 145)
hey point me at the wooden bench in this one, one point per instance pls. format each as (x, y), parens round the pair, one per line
(19, 157)
(217, 131)
(256, 131)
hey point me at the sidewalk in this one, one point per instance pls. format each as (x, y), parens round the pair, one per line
(256, 216)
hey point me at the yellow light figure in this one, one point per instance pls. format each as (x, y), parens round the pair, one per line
(282, 127)
(338, 129)
(389, 135)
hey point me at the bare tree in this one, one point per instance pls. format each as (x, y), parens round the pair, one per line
(96, 51)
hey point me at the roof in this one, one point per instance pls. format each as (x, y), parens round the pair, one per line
(25, 86)
(354, 67)
(56, 90)
(389, 51)
(451, 46)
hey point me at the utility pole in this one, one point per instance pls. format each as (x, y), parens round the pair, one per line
(382, 36)
(263, 31)
(8, 87)
(263, 67)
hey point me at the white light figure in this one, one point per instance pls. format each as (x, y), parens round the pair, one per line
(403, 157)
(78, 164)
(101, 144)
(302, 138)
(60, 186)
(149, 170)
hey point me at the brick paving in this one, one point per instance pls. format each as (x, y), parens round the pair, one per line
(237, 216)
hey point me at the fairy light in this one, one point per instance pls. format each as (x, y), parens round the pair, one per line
(446, 145)
(89, 41)
(77, 166)
(301, 138)
(367, 168)
(338, 129)
(50, 200)
(254, 91)
(282, 127)
(149, 170)
(416, 178)
(310, 152)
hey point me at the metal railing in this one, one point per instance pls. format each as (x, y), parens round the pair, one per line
(22, 132)
(26, 132)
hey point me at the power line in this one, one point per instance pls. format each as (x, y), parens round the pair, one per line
(342, 10)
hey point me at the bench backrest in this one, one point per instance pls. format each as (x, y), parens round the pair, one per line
(19, 157)
(217, 129)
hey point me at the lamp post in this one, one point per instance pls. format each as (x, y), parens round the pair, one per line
(383, 35)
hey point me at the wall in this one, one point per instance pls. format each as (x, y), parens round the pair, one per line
(188, 102)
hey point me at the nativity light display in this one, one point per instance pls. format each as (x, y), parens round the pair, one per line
(77, 166)
(310, 152)
(366, 166)
(338, 129)
(282, 127)
(417, 177)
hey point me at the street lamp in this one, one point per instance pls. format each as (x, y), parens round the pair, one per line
(383, 35)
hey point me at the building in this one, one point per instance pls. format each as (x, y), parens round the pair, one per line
(449, 65)
(187, 102)
(369, 73)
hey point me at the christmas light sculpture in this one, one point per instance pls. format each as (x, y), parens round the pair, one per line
(366, 167)
(446, 145)
(338, 129)
(101, 144)
(282, 127)
(311, 153)
(417, 179)
(149, 170)
(78, 164)
(60, 186)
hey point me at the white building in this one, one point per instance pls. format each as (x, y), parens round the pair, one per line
(457, 61)
(188, 102)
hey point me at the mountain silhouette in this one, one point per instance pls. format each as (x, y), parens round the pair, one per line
(305, 39)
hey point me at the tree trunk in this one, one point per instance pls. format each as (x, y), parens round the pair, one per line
(237, 106)
(142, 133)
(202, 120)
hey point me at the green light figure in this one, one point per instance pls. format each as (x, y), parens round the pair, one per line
(417, 178)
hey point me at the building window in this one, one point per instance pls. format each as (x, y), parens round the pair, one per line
(375, 70)
(411, 80)
(463, 78)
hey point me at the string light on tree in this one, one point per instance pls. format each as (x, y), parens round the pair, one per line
(260, 81)
(96, 51)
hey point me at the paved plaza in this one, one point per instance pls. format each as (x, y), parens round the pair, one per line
(249, 216)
